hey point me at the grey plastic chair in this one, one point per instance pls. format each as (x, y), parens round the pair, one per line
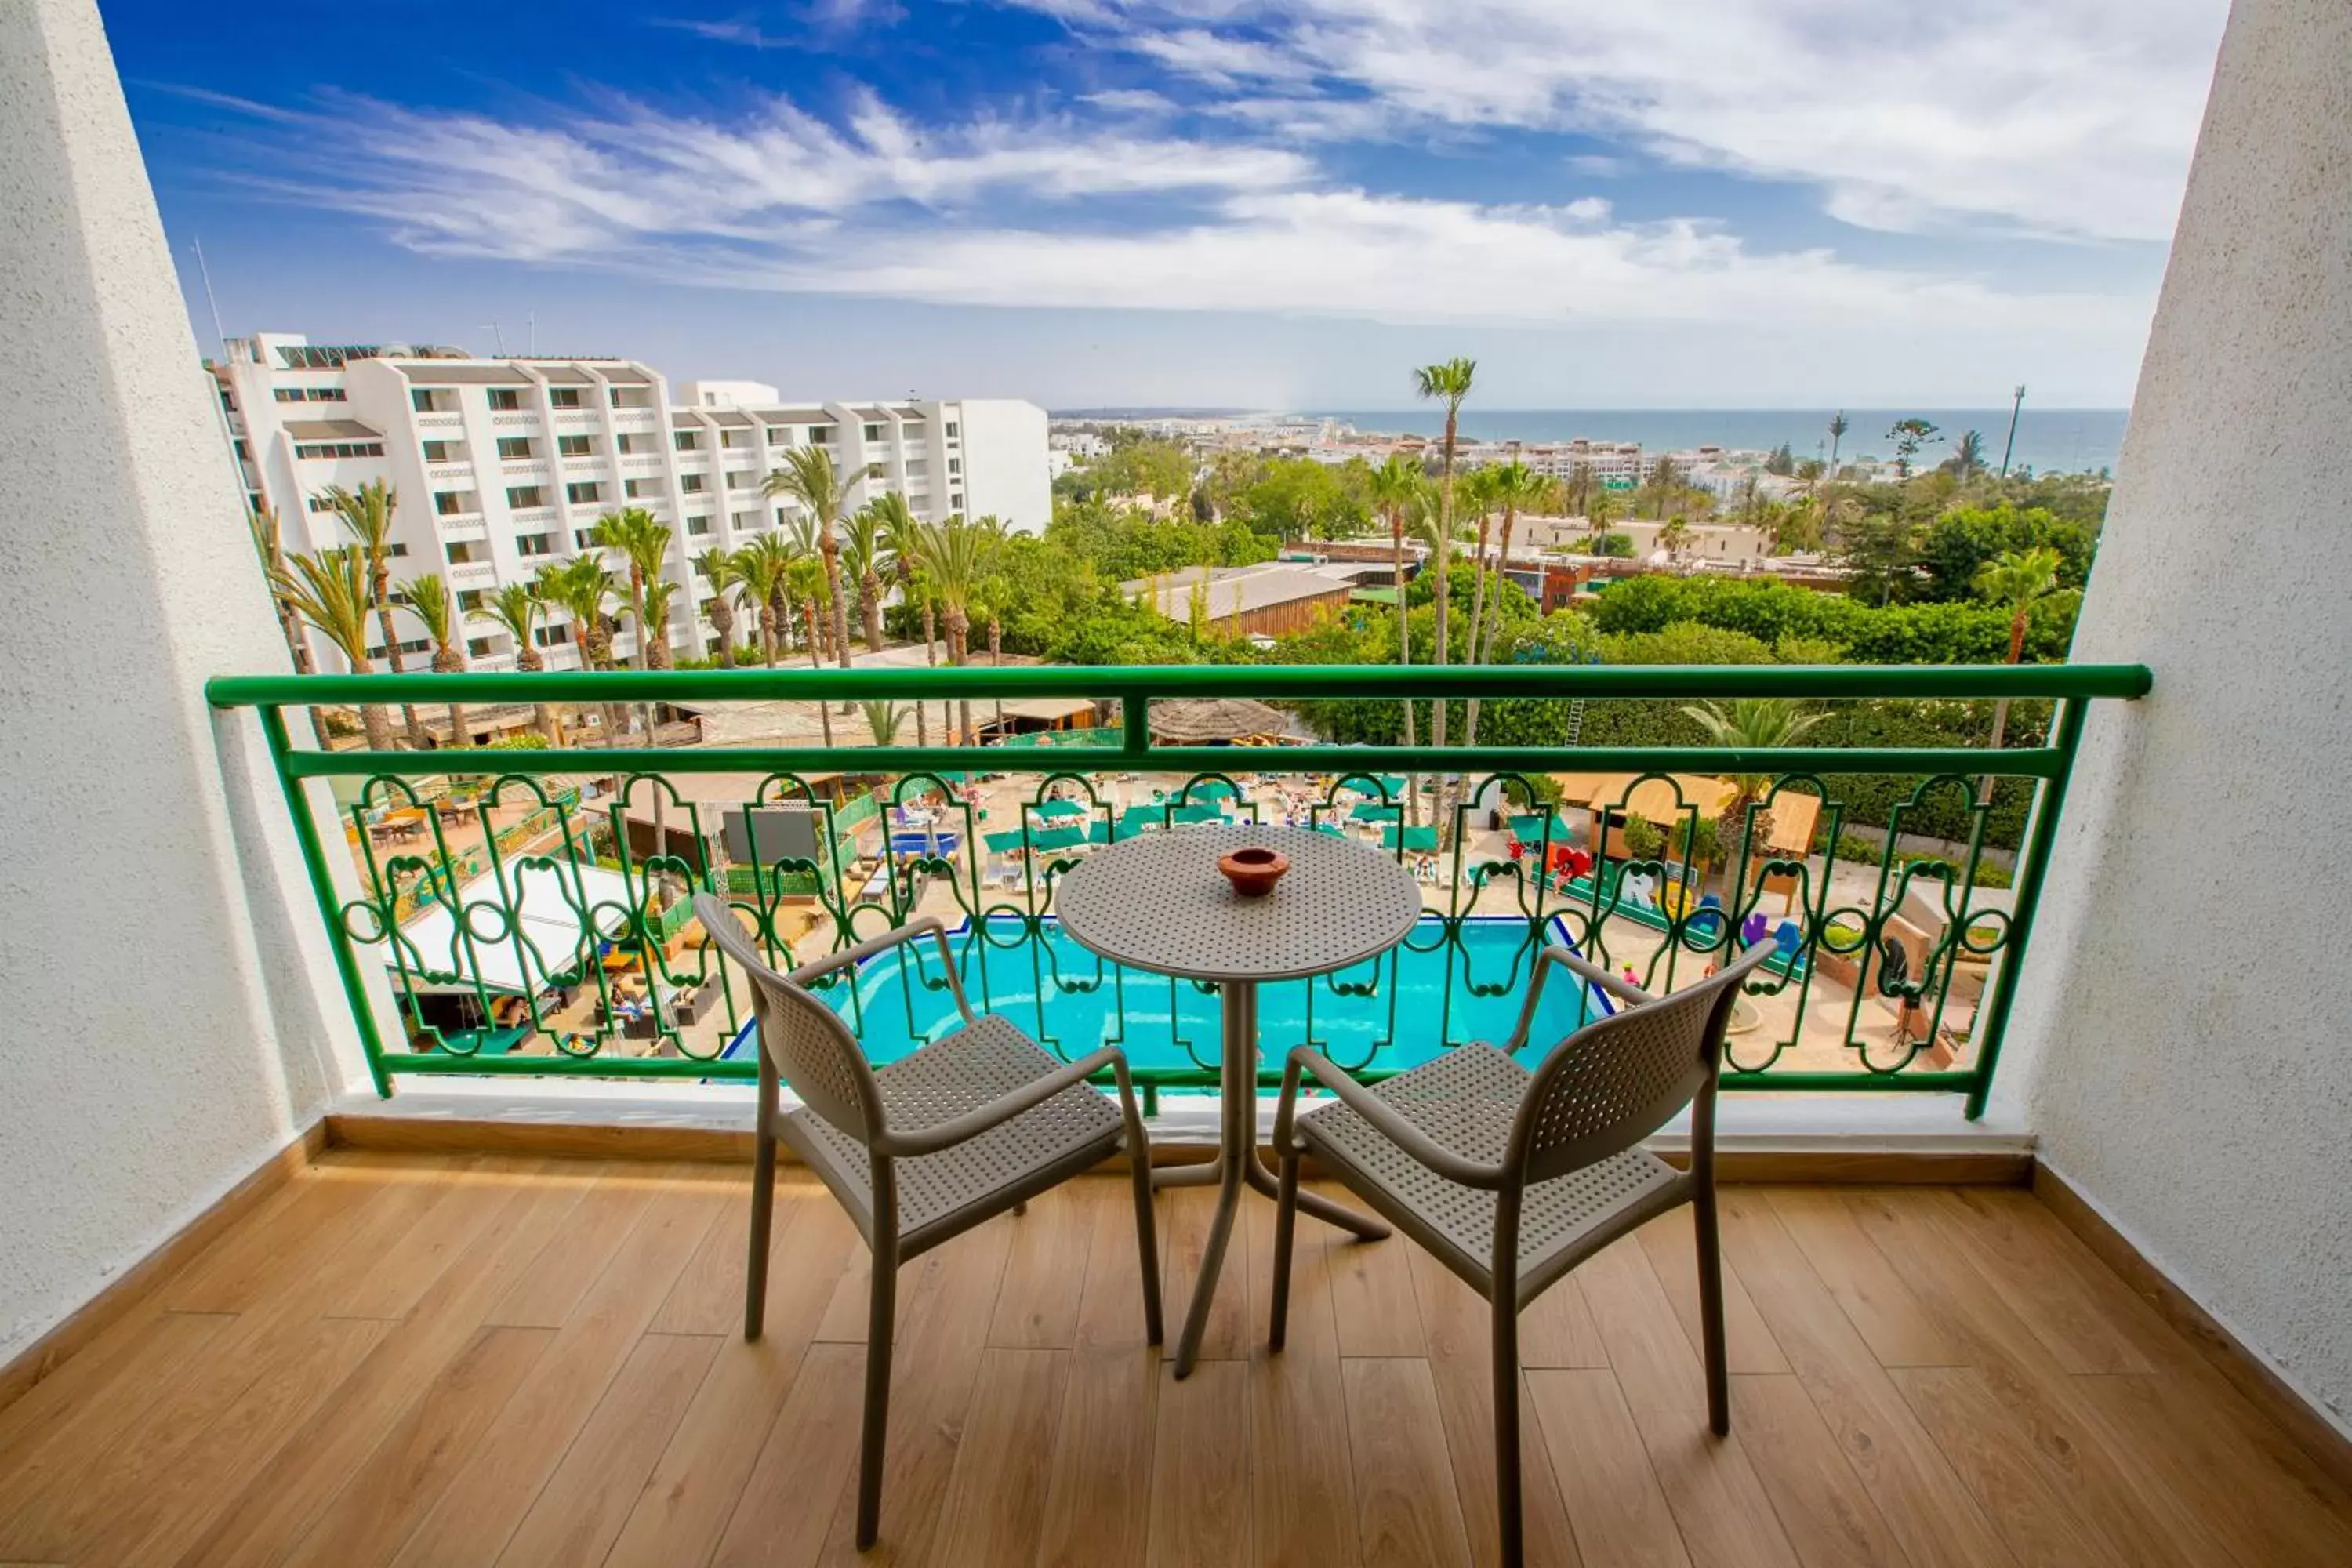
(977, 1123)
(1512, 1177)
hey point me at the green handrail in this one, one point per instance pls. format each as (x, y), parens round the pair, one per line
(1132, 688)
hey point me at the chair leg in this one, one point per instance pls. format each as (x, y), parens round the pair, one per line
(1286, 1225)
(1710, 1311)
(1511, 1526)
(880, 1323)
(1147, 1244)
(763, 1209)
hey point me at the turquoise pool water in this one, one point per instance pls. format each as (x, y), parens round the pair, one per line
(1420, 996)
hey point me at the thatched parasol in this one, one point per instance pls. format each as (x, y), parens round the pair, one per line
(1202, 720)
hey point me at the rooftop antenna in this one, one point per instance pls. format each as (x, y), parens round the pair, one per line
(2011, 445)
(212, 304)
(498, 337)
(533, 320)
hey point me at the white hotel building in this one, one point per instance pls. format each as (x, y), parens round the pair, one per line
(501, 465)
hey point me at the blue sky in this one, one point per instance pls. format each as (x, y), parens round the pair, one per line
(1711, 204)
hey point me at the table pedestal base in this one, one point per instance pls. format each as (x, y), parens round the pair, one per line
(1237, 1165)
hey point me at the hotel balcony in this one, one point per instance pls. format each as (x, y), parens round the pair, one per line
(378, 1177)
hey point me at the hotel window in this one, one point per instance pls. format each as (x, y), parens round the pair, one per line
(552, 636)
(740, 479)
(584, 539)
(574, 446)
(734, 440)
(478, 647)
(448, 503)
(951, 430)
(780, 435)
(315, 395)
(340, 449)
(472, 599)
(821, 434)
(514, 449)
(429, 400)
(698, 526)
(563, 397)
(875, 471)
(534, 544)
(743, 520)
(636, 489)
(690, 483)
(461, 553)
(521, 496)
(955, 465)
(874, 432)
(630, 446)
(584, 492)
(438, 451)
(687, 440)
(506, 400)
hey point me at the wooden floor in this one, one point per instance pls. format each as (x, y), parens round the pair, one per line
(443, 1361)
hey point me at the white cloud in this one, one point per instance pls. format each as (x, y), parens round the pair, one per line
(997, 212)
(2066, 117)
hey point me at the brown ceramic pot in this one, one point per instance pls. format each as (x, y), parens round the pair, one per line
(1254, 870)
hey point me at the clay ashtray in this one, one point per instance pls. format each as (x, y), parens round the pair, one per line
(1253, 869)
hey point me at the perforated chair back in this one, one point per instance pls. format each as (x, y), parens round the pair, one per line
(801, 1040)
(1617, 1080)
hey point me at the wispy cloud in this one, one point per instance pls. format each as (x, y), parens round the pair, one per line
(1042, 213)
(2064, 117)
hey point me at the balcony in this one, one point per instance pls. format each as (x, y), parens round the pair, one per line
(1892, 976)
(426, 1356)
(472, 574)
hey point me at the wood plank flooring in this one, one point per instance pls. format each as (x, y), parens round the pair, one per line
(444, 1359)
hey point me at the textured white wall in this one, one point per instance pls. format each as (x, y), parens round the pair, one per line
(165, 1029)
(2183, 1042)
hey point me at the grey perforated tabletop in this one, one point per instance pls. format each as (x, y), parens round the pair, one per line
(1155, 902)
(1158, 902)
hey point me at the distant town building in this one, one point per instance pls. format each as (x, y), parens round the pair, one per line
(1265, 600)
(502, 464)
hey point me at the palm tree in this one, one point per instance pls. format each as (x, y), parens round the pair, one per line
(515, 609)
(883, 717)
(1967, 460)
(1479, 495)
(262, 524)
(1675, 536)
(808, 476)
(333, 591)
(1748, 723)
(428, 598)
(1516, 488)
(862, 550)
(902, 546)
(1665, 483)
(1398, 489)
(1450, 384)
(803, 582)
(1597, 511)
(716, 567)
(581, 586)
(760, 566)
(643, 540)
(954, 559)
(368, 516)
(659, 596)
(2015, 578)
(1838, 427)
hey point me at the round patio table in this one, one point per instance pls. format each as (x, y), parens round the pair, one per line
(1158, 902)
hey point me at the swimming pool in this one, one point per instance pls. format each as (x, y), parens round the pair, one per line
(1393, 1012)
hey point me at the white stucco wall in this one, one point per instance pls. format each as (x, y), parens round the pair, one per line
(2183, 1039)
(165, 1029)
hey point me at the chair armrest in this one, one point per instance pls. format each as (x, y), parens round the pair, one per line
(833, 963)
(1632, 995)
(947, 1134)
(1381, 1115)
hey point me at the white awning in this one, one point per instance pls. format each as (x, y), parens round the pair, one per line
(547, 902)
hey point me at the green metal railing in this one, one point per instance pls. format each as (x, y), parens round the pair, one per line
(564, 1015)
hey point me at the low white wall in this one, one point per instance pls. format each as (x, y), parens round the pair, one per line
(2183, 1041)
(166, 1028)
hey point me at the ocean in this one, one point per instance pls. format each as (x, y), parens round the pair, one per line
(2049, 440)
